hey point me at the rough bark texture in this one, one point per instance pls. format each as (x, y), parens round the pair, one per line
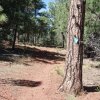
(72, 82)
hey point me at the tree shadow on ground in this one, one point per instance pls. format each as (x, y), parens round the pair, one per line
(91, 88)
(19, 82)
(8, 54)
(97, 58)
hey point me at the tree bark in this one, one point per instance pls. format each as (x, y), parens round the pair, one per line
(17, 38)
(72, 83)
(63, 40)
(14, 39)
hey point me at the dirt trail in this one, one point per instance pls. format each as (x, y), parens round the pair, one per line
(43, 74)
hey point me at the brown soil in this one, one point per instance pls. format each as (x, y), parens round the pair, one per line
(38, 76)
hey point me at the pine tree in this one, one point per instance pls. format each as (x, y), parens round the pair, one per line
(72, 82)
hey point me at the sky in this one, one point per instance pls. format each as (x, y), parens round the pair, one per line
(46, 2)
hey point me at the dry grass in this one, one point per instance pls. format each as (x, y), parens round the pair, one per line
(90, 63)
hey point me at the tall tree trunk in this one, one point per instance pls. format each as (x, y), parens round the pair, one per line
(14, 39)
(17, 38)
(35, 39)
(28, 38)
(72, 82)
(63, 39)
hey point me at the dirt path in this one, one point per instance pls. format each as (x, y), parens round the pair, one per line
(41, 76)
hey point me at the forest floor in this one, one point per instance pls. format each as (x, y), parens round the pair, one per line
(35, 73)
